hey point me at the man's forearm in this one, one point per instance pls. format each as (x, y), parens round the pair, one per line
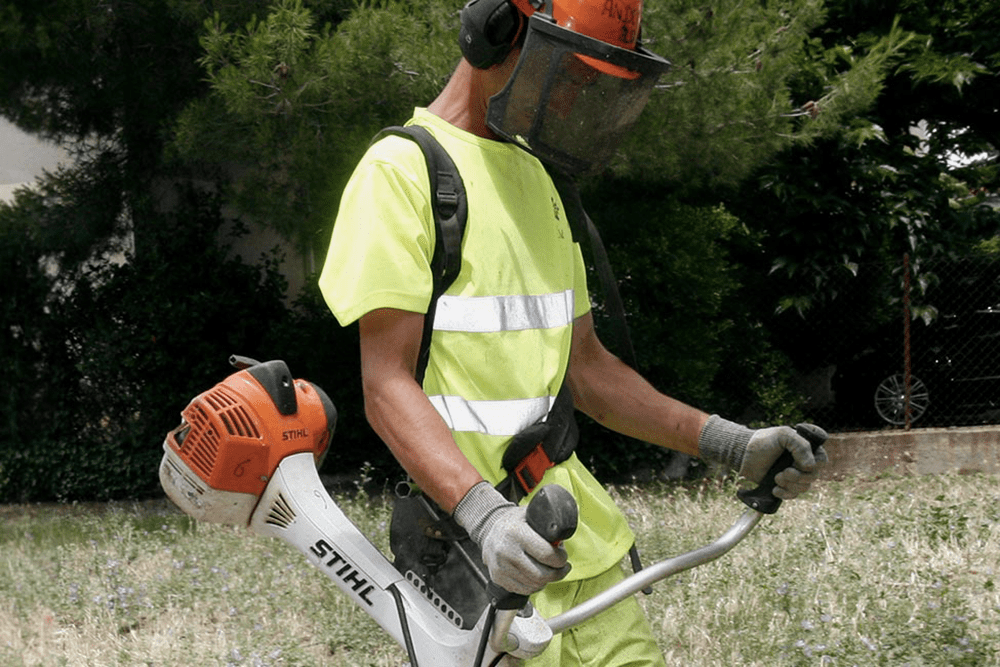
(420, 440)
(400, 412)
(617, 397)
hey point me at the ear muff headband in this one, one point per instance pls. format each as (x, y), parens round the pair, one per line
(489, 28)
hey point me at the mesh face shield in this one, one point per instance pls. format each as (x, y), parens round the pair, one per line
(571, 98)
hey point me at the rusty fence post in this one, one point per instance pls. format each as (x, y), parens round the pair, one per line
(907, 368)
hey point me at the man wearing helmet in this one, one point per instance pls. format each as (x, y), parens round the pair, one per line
(540, 85)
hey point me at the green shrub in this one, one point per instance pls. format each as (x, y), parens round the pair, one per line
(105, 358)
(685, 315)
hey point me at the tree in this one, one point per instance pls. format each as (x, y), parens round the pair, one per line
(948, 76)
(833, 219)
(293, 104)
(731, 102)
(107, 77)
(70, 71)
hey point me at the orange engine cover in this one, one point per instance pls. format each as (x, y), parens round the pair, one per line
(234, 435)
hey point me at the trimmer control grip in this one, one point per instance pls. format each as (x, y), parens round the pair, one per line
(760, 498)
(553, 514)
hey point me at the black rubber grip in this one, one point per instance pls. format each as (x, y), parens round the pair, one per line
(760, 497)
(553, 514)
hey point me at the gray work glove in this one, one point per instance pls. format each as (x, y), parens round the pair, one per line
(752, 453)
(518, 559)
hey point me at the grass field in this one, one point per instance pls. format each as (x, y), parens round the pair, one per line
(898, 571)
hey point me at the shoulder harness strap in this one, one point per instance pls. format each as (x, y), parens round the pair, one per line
(583, 227)
(451, 210)
(581, 223)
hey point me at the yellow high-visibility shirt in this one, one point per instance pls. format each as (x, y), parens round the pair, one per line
(503, 329)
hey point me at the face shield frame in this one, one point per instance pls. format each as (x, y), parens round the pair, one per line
(571, 98)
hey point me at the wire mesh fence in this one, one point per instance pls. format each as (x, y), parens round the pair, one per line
(923, 353)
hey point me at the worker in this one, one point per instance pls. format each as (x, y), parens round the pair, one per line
(540, 85)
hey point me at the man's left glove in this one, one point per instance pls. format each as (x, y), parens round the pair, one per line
(753, 452)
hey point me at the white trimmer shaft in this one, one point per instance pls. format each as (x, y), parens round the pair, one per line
(296, 508)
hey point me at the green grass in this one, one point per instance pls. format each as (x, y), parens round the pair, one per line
(899, 571)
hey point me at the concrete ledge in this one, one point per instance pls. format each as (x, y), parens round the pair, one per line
(915, 452)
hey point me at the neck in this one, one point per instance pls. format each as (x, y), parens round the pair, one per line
(465, 98)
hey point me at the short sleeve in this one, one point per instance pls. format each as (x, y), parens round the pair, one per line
(581, 294)
(383, 237)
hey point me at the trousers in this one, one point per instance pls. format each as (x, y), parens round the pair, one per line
(617, 637)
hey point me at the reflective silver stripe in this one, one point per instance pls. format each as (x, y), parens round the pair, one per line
(500, 418)
(490, 314)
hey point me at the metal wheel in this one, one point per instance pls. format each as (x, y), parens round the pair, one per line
(890, 399)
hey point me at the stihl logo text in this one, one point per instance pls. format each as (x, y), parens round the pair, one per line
(347, 572)
(295, 434)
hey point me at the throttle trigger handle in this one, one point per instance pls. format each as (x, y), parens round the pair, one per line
(553, 514)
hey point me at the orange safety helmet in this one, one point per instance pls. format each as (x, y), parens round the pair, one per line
(615, 22)
(580, 82)
(490, 28)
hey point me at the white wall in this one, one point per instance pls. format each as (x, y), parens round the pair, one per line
(24, 157)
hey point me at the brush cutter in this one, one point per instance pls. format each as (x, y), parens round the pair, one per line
(247, 453)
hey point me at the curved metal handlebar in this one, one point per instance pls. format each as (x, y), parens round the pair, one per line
(760, 501)
(667, 568)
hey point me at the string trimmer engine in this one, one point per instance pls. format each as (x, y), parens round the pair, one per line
(218, 462)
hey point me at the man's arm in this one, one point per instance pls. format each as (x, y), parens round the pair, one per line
(400, 412)
(615, 395)
(619, 398)
(518, 559)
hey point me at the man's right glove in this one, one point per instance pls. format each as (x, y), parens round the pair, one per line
(753, 452)
(518, 559)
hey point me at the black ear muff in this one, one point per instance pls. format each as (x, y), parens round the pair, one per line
(488, 30)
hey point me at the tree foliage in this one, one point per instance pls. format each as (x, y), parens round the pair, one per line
(836, 216)
(293, 103)
(730, 102)
(101, 77)
(797, 116)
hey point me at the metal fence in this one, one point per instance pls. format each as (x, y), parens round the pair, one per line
(923, 352)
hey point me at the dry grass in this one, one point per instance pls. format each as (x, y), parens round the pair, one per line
(892, 572)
